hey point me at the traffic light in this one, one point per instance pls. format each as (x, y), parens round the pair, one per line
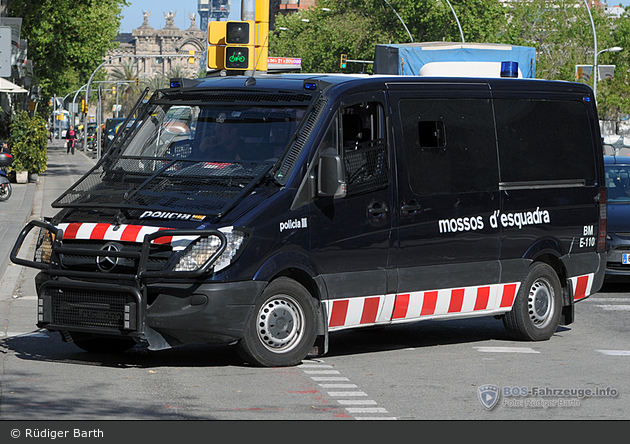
(137, 81)
(216, 44)
(83, 106)
(240, 44)
(344, 60)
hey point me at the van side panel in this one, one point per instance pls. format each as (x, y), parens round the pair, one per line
(447, 189)
(549, 184)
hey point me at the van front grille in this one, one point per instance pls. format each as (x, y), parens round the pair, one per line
(87, 308)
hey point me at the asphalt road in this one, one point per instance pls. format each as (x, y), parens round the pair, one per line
(424, 371)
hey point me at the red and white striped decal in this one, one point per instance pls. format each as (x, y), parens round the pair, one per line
(443, 304)
(582, 286)
(435, 304)
(123, 233)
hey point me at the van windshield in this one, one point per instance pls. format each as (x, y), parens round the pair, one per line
(199, 159)
(225, 133)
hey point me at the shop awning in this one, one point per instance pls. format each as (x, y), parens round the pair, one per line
(9, 87)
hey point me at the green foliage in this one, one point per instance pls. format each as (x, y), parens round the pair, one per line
(28, 142)
(67, 39)
(355, 27)
(560, 30)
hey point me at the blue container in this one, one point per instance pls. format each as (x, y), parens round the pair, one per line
(509, 69)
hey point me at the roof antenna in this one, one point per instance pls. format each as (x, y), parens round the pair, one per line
(251, 81)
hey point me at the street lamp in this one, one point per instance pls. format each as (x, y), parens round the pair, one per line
(457, 20)
(401, 20)
(595, 73)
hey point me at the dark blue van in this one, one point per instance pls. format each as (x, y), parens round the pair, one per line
(269, 211)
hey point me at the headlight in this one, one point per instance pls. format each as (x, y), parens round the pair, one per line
(204, 249)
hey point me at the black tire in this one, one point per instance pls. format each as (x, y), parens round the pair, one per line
(5, 192)
(535, 315)
(283, 327)
(105, 345)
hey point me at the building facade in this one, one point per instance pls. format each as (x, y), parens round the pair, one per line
(145, 44)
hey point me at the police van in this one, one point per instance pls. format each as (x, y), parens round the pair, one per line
(267, 212)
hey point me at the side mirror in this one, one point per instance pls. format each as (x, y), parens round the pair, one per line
(331, 175)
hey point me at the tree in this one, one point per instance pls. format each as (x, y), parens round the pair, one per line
(562, 33)
(67, 39)
(127, 91)
(354, 27)
(559, 30)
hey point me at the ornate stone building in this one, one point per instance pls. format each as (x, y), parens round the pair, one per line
(146, 44)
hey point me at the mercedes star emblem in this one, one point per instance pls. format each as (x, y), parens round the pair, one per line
(107, 263)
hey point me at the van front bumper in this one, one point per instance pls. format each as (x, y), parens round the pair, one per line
(214, 313)
(163, 314)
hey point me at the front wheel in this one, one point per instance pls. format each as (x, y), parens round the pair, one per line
(282, 329)
(535, 315)
(5, 191)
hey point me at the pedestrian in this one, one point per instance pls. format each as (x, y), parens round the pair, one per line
(70, 138)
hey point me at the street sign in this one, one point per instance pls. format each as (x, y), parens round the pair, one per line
(5, 51)
(283, 63)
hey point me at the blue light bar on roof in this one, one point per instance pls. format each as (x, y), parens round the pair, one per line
(509, 69)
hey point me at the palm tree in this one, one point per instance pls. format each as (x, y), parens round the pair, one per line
(126, 73)
(155, 82)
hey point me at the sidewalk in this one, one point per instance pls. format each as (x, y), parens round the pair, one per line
(33, 201)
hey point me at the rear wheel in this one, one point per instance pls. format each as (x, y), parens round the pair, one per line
(282, 329)
(535, 315)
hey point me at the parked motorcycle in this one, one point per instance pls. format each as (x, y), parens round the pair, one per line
(5, 185)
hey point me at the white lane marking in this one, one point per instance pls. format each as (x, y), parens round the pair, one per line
(314, 366)
(329, 378)
(375, 418)
(615, 352)
(614, 307)
(356, 401)
(337, 394)
(329, 383)
(321, 372)
(506, 350)
(366, 410)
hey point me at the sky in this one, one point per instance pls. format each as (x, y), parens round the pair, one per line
(132, 15)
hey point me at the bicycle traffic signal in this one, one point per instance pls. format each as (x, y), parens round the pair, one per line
(241, 45)
(239, 49)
